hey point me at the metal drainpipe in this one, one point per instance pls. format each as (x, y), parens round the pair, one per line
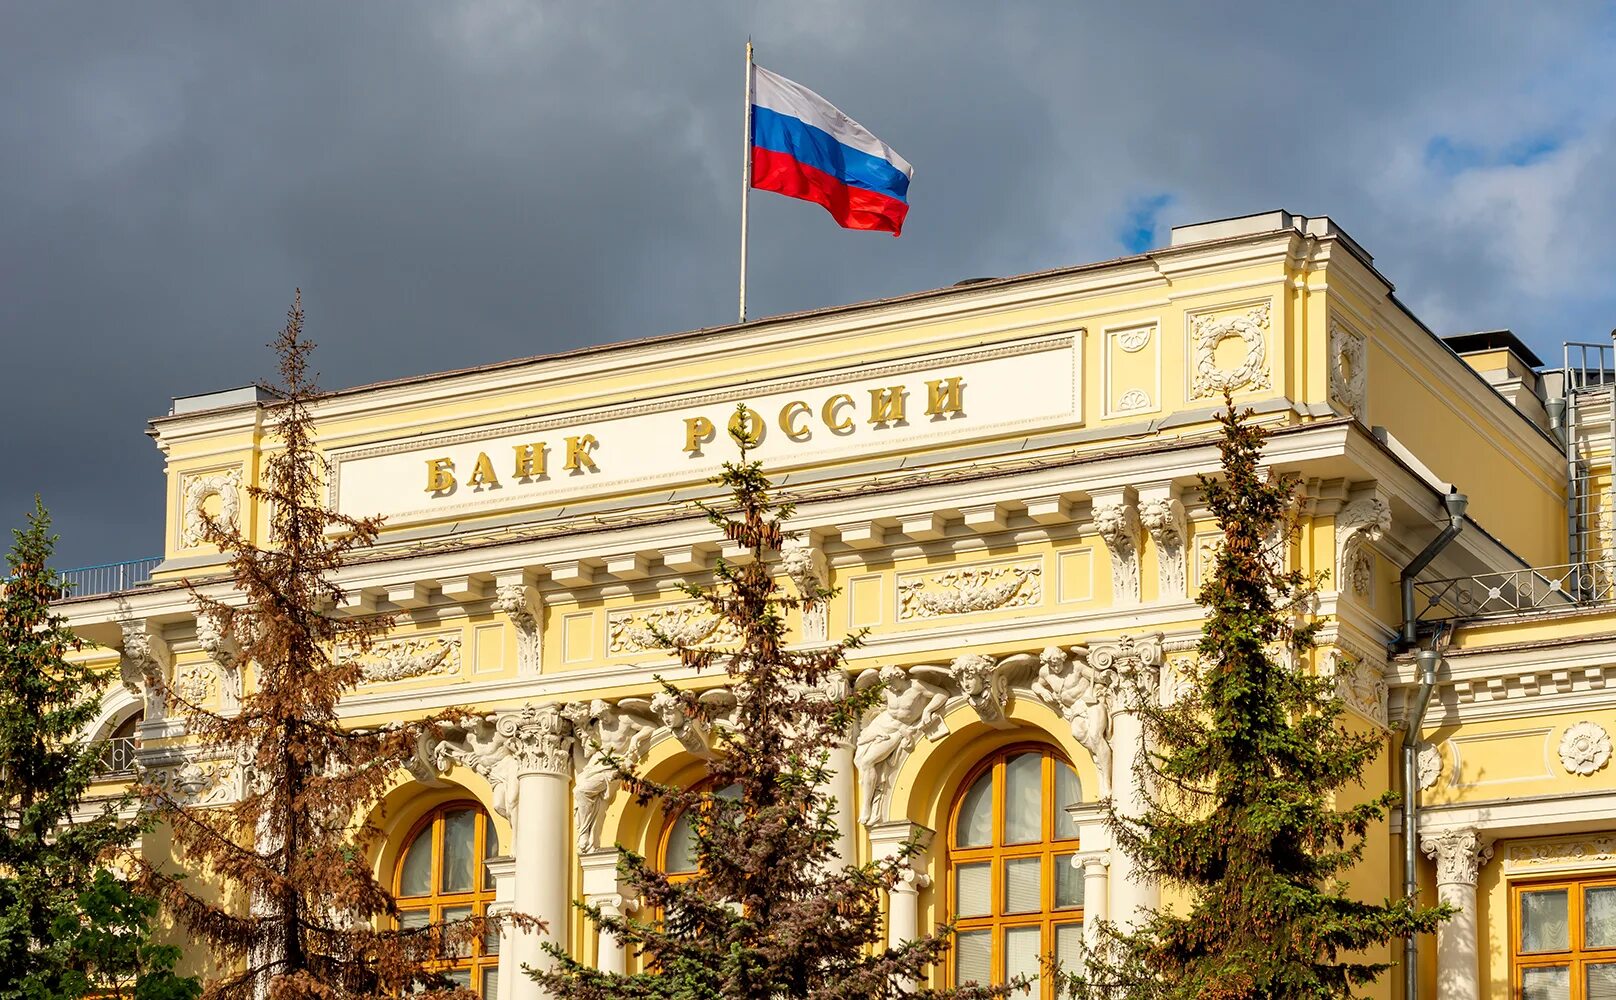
(1456, 503)
(1428, 660)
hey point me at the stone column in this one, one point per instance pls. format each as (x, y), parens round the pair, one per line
(839, 784)
(503, 872)
(1093, 859)
(840, 787)
(601, 888)
(540, 743)
(903, 900)
(1131, 668)
(1459, 855)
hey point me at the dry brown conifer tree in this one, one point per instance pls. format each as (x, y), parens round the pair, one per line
(771, 913)
(278, 884)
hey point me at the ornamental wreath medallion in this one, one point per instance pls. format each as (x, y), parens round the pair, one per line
(1585, 748)
(1252, 371)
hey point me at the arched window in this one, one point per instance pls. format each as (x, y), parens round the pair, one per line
(443, 876)
(1012, 891)
(678, 849)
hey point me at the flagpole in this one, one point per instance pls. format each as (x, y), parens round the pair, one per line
(746, 172)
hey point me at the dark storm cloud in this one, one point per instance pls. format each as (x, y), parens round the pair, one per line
(460, 183)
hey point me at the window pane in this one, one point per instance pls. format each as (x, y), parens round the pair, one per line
(490, 850)
(415, 876)
(1068, 882)
(451, 916)
(1546, 984)
(1544, 923)
(414, 918)
(1599, 917)
(1068, 792)
(459, 843)
(973, 957)
(1069, 948)
(491, 937)
(1023, 799)
(491, 984)
(681, 846)
(1601, 982)
(1021, 956)
(975, 828)
(1023, 885)
(460, 977)
(973, 889)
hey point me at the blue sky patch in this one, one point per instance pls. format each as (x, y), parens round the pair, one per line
(1451, 157)
(1138, 231)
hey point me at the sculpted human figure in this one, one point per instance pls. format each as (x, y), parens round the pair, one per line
(913, 708)
(605, 734)
(476, 744)
(1083, 698)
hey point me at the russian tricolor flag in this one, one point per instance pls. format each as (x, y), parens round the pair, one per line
(804, 147)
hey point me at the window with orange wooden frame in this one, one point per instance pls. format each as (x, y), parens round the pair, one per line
(443, 876)
(1011, 889)
(1563, 939)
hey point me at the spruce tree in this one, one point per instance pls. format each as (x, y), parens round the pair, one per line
(68, 925)
(1241, 775)
(301, 914)
(770, 913)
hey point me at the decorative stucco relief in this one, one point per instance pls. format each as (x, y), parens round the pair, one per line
(1584, 748)
(1357, 523)
(690, 623)
(805, 565)
(1208, 331)
(226, 485)
(1132, 665)
(606, 737)
(415, 656)
(196, 683)
(967, 589)
(1068, 683)
(1428, 764)
(911, 709)
(534, 739)
(1573, 852)
(1163, 518)
(215, 633)
(1133, 341)
(144, 663)
(1118, 524)
(1349, 368)
(522, 605)
(188, 781)
(1360, 684)
(1133, 399)
(1459, 854)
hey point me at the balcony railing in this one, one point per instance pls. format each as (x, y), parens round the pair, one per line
(117, 756)
(1487, 595)
(109, 578)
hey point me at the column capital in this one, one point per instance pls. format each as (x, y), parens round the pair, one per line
(539, 739)
(1133, 665)
(1459, 854)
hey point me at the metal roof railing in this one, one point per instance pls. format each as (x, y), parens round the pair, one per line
(109, 578)
(1572, 587)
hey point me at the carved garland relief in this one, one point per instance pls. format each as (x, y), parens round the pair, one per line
(690, 623)
(1251, 372)
(414, 656)
(226, 485)
(1348, 368)
(965, 590)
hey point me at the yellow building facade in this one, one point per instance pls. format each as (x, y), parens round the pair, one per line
(1000, 481)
